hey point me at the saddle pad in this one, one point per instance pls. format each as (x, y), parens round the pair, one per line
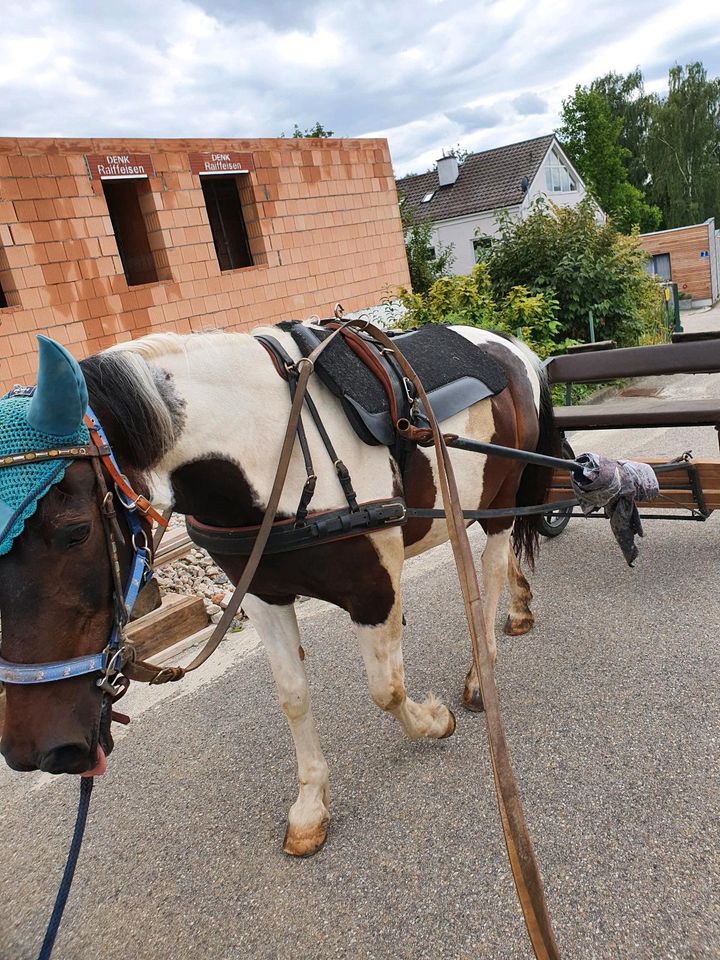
(454, 372)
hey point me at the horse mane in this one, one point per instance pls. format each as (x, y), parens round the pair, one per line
(135, 403)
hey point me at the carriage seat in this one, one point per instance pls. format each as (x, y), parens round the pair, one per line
(454, 372)
(695, 353)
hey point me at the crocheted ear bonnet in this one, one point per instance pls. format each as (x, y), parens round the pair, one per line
(42, 418)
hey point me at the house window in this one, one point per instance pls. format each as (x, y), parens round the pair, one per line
(3, 298)
(131, 234)
(659, 266)
(227, 223)
(557, 175)
(428, 197)
(481, 245)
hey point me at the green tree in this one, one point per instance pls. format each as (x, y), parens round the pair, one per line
(582, 264)
(628, 102)
(683, 153)
(426, 262)
(590, 135)
(318, 132)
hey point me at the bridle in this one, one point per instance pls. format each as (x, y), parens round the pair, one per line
(116, 654)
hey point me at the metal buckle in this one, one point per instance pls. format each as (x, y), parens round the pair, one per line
(403, 515)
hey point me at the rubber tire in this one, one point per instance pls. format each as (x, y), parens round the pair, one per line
(552, 524)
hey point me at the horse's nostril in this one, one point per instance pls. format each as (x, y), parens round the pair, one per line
(70, 758)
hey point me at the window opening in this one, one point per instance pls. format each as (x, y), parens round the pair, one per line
(128, 223)
(229, 233)
(557, 176)
(481, 245)
(3, 298)
(428, 197)
(659, 266)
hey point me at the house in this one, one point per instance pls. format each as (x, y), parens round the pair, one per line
(108, 240)
(687, 256)
(463, 200)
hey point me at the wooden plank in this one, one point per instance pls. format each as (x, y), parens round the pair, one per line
(175, 544)
(178, 617)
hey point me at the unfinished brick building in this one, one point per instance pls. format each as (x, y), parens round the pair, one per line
(102, 241)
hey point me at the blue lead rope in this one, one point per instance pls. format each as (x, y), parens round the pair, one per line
(86, 786)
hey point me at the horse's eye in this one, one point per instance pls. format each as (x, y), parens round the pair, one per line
(72, 535)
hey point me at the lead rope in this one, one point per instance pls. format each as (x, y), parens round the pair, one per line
(86, 786)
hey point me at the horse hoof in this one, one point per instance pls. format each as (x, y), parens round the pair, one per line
(304, 841)
(516, 628)
(474, 702)
(452, 723)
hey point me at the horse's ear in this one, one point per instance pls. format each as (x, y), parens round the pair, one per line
(61, 398)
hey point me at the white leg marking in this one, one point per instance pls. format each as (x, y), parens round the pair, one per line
(381, 648)
(308, 817)
(494, 573)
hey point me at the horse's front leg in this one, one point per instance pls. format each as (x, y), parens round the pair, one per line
(381, 648)
(309, 816)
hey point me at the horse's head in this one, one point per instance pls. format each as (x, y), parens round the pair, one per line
(56, 576)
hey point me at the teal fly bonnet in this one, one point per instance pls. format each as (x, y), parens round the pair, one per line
(50, 416)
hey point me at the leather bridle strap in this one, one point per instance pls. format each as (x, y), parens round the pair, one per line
(526, 873)
(146, 672)
(122, 485)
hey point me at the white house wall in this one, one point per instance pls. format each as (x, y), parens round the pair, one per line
(461, 231)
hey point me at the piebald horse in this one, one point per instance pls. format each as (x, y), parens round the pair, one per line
(197, 421)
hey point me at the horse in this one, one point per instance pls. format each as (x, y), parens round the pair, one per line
(197, 422)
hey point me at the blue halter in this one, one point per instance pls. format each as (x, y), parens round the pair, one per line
(111, 660)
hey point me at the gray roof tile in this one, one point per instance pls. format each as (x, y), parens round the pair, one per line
(486, 181)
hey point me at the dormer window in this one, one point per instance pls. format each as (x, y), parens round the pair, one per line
(557, 175)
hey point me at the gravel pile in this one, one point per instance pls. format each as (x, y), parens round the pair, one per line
(198, 574)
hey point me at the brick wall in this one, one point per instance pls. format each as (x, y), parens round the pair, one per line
(689, 270)
(322, 220)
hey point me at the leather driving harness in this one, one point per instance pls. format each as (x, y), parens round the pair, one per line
(117, 662)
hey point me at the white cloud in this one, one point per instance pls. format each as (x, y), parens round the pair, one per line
(425, 73)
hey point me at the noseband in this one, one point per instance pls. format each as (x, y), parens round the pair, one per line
(116, 654)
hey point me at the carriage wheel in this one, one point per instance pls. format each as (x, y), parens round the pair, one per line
(552, 524)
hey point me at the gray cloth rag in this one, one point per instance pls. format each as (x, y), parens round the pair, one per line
(616, 485)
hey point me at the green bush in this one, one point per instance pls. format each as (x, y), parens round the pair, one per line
(470, 300)
(580, 264)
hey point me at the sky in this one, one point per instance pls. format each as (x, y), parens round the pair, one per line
(426, 74)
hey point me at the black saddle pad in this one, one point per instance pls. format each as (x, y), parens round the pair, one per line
(440, 357)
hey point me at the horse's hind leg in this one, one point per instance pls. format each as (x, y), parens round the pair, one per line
(520, 618)
(308, 817)
(494, 572)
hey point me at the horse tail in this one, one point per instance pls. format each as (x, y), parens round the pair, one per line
(535, 480)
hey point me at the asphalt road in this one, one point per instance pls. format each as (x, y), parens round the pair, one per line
(610, 707)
